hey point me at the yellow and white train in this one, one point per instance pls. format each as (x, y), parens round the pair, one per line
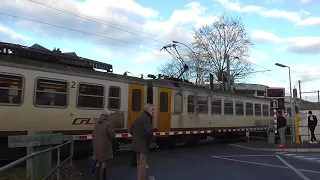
(50, 91)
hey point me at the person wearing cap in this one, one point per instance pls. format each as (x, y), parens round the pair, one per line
(312, 124)
(102, 145)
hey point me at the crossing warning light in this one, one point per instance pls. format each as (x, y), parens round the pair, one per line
(275, 93)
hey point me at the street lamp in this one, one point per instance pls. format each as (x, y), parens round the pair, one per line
(292, 107)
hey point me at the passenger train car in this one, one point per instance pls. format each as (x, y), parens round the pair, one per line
(50, 91)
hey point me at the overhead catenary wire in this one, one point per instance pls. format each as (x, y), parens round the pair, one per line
(109, 24)
(84, 32)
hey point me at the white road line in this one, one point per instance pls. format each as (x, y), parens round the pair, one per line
(281, 152)
(152, 178)
(289, 154)
(236, 145)
(147, 166)
(293, 168)
(246, 156)
(311, 158)
(300, 156)
(262, 164)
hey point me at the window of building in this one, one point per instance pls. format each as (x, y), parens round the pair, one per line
(228, 107)
(11, 88)
(216, 106)
(178, 103)
(90, 96)
(239, 108)
(51, 93)
(191, 104)
(202, 105)
(136, 100)
(164, 106)
(114, 98)
(249, 109)
(265, 110)
(257, 109)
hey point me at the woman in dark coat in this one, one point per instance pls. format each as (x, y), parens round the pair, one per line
(102, 145)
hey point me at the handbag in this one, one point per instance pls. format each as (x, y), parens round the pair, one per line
(134, 159)
(92, 164)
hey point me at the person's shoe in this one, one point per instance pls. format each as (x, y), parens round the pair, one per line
(310, 142)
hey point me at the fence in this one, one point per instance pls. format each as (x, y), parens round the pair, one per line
(33, 155)
(265, 134)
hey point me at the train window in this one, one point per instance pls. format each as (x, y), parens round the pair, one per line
(239, 108)
(90, 96)
(136, 100)
(265, 109)
(289, 111)
(228, 107)
(11, 88)
(257, 109)
(191, 104)
(216, 106)
(164, 106)
(271, 113)
(178, 103)
(249, 109)
(202, 105)
(114, 98)
(51, 93)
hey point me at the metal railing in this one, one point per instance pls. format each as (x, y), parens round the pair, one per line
(33, 155)
(276, 136)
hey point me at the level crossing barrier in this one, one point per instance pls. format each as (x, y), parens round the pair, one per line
(39, 154)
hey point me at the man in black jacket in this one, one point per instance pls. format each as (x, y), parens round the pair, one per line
(312, 124)
(142, 136)
(281, 126)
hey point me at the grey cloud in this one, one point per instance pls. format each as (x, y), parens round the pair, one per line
(310, 48)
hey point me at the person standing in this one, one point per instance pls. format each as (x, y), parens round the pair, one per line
(142, 136)
(281, 126)
(102, 145)
(312, 124)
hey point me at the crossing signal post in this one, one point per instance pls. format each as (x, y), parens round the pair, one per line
(277, 95)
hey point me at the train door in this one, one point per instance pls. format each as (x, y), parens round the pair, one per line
(136, 103)
(163, 111)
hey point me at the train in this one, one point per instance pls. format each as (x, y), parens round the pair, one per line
(43, 90)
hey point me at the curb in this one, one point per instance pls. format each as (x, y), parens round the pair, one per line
(280, 150)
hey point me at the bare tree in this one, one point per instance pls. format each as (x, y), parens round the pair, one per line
(225, 38)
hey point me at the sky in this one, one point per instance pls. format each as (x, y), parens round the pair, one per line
(129, 34)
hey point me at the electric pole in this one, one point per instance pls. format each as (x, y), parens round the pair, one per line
(299, 89)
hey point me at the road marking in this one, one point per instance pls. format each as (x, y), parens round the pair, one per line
(152, 178)
(245, 156)
(289, 154)
(242, 146)
(147, 166)
(263, 164)
(311, 158)
(293, 168)
(281, 152)
(300, 156)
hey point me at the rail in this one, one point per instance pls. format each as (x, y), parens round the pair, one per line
(33, 155)
(251, 134)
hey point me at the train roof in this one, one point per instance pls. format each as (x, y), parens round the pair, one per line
(39, 53)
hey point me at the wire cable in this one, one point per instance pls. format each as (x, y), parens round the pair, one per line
(84, 32)
(99, 21)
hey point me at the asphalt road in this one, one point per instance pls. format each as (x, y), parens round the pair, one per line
(214, 161)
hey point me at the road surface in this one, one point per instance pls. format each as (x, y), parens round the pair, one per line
(214, 161)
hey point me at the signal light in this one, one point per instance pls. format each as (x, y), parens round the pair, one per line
(275, 92)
